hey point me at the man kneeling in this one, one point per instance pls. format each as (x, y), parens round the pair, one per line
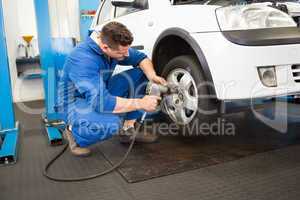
(97, 104)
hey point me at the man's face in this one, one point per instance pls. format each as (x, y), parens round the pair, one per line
(119, 54)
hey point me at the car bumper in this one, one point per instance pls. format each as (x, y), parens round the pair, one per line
(234, 71)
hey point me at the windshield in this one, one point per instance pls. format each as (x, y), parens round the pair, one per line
(182, 2)
(226, 2)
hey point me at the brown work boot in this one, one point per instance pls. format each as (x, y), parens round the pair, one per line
(74, 148)
(143, 136)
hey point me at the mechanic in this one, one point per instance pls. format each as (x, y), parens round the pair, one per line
(97, 103)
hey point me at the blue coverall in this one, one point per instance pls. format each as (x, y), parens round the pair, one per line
(87, 91)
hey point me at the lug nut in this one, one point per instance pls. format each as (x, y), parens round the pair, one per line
(180, 96)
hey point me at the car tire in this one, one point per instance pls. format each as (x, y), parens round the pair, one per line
(191, 64)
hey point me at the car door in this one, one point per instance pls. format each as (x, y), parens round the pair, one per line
(105, 14)
(138, 22)
(134, 19)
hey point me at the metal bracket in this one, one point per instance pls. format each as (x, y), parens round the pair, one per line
(54, 136)
(8, 150)
(52, 129)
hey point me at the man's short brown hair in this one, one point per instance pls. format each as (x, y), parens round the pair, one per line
(114, 34)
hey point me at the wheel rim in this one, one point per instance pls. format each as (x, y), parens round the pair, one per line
(184, 102)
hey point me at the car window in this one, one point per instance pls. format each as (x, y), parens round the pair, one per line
(105, 12)
(125, 11)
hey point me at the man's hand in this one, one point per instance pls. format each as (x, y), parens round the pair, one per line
(158, 80)
(149, 103)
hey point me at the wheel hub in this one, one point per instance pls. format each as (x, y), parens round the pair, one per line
(173, 102)
(182, 104)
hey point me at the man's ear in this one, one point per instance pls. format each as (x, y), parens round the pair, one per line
(104, 46)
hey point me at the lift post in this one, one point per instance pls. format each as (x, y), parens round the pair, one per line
(47, 59)
(9, 130)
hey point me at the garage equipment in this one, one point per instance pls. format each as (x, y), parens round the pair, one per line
(53, 51)
(28, 48)
(151, 89)
(87, 13)
(47, 59)
(9, 130)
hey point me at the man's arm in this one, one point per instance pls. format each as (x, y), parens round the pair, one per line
(147, 66)
(124, 105)
(147, 103)
(138, 58)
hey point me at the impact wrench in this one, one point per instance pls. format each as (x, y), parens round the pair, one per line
(152, 89)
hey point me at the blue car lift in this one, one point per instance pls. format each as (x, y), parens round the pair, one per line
(49, 75)
(9, 130)
(53, 52)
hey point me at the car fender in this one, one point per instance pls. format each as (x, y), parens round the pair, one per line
(196, 48)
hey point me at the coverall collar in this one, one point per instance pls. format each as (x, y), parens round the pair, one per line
(92, 42)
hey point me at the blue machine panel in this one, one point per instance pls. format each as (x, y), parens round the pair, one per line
(53, 52)
(7, 119)
(8, 152)
(47, 59)
(54, 135)
(8, 129)
(46, 55)
(86, 15)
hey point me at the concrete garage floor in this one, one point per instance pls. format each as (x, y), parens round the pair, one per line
(269, 175)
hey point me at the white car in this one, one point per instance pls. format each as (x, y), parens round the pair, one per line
(214, 50)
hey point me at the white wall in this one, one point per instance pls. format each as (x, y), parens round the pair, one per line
(64, 18)
(11, 32)
(19, 19)
(26, 17)
(27, 22)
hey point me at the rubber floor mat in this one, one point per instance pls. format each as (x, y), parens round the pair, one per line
(174, 154)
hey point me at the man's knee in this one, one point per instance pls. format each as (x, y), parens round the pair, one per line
(87, 131)
(102, 124)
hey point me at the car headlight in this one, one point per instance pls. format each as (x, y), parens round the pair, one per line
(252, 16)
